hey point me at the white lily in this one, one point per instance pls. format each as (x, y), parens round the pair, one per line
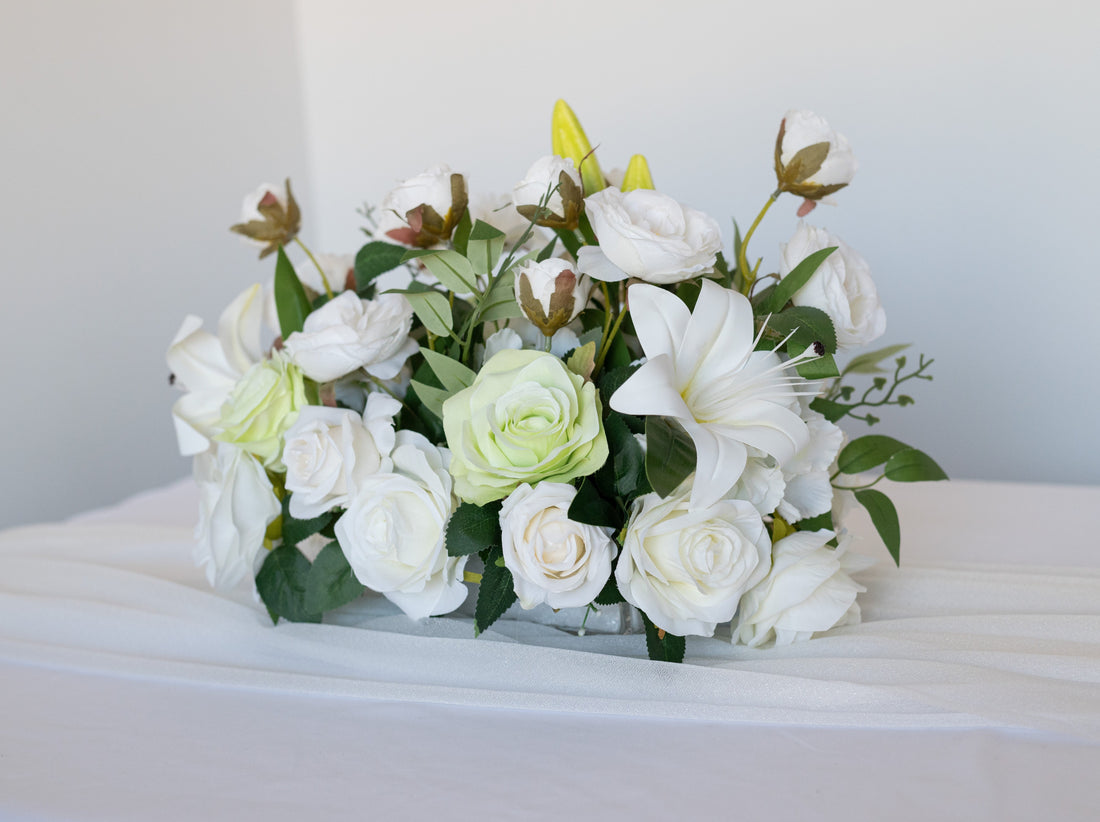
(207, 367)
(702, 371)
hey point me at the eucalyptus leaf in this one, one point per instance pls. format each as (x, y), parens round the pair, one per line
(869, 363)
(452, 374)
(291, 303)
(484, 247)
(431, 397)
(884, 516)
(375, 259)
(912, 465)
(462, 233)
(432, 308)
(454, 272)
(670, 454)
(331, 581)
(473, 528)
(499, 302)
(281, 584)
(864, 453)
(798, 277)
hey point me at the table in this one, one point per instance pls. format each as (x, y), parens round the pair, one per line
(130, 690)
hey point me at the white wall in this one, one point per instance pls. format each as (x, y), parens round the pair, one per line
(131, 130)
(975, 123)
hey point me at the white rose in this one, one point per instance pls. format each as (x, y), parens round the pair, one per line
(557, 293)
(207, 367)
(648, 235)
(236, 504)
(401, 217)
(393, 532)
(553, 560)
(809, 589)
(802, 129)
(841, 287)
(544, 176)
(809, 488)
(330, 451)
(686, 568)
(348, 333)
(761, 483)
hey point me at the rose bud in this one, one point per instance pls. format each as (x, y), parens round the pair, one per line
(812, 160)
(564, 206)
(269, 218)
(551, 293)
(424, 210)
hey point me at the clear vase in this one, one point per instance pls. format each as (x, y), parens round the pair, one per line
(622, 618)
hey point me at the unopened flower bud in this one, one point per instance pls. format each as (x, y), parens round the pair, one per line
(812, 160)
(424, 210)
(637, 175)
(551, 293)
(568, 140)
(550, 174)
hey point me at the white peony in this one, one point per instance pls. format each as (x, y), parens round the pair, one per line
(553, 560)
(557, 293)
(393, 532)
(803, 129)
(330, 451)
(702, 370)
(809, 589)
(545, 176)
(648, 235)
(348, 333)
(402, 217)
(687, 567)
(841, 287)
(236, 504)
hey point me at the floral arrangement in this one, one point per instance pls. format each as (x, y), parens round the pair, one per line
(571, 400)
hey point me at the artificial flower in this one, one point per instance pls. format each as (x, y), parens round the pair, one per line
(812, 160)
(551, 293)
(702, 371)
(262, 405)
(525, 418)
(270, 218)
(422, 211)
(807, 487)
(392, 534)
(553, 559)
(557, 177)
(648, 235)
(686, 566)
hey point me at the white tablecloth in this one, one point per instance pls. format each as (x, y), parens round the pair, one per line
(129, 690)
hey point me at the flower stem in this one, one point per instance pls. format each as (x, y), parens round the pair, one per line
(747, 276)
(321, 271)
(605, 347)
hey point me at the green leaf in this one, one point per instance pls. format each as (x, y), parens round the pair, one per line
(484, 248)
(669, 648)
(547, 251)
(473, 528)
(281, 584)
(610, 594)
(819, 368)
(296, 530)
(431, 307)
(806, 325)
(495, 595)
(832, 411)
(864, 453)
(869, 363)
(461, 234)
(375, 259)
(628, 458)
(912, 465)
(499, 302)
(591, 508)
(885, 518)
(819, 523)
(798, 277)
(452, 374)
(454, 272)
(670, 454)
(331, 582)
(430, 397)
(291, 302)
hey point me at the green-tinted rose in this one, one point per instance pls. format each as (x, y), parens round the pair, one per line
(262, 406)
(526, 418)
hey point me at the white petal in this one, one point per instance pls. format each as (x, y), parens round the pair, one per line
(660, 319)
(720, 462)
(240, 329)
(593, 262)
(650, 390)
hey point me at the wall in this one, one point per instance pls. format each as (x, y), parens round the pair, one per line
(974, 122)
(131, 132)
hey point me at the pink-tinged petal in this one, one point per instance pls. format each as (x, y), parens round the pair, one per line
(660, 320)
(720, 461)
(719, 335)
(593, 262)
(650, 390)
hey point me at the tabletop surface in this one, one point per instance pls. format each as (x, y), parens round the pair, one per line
(130, 690)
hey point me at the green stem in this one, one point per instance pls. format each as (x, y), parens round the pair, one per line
(321, 271)
(858, 487)
(748, 277)
(605, 347)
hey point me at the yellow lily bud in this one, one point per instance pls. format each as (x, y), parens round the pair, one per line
(637, 174)
(567, 139)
